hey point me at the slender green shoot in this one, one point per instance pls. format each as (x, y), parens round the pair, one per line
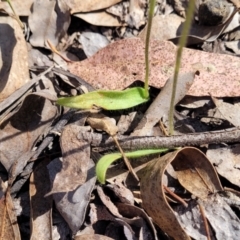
(104, 163)
(15, 15)
(147, 43)
(182, 43)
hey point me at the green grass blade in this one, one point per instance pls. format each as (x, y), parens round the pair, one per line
(182, 43)
(16, 16)
(147, 42)
(104, 163)
(109, 100)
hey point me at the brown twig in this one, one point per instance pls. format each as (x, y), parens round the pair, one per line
(134, 142)
(54, 50)
(175, 196)
(126, 161)
(204, 221)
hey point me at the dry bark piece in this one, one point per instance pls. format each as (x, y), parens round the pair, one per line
(14, 57)
(121, 63)
(195, 173)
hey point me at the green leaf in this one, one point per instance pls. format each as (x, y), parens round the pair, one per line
(107, 160)
(109, 100)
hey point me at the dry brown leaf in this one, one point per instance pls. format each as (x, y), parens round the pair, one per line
(49, 21)
(124, 194)
(14, 57)
(108, 203)
(41, 205)
(228, 111)
(21, 132)
(131, 211)
(22, 8)
(163, 27)
(72, 205)
(135, 18)
(91, 5)
(170, 27)
(8, 220)
(100, 18)
(101, 122)
(92, 237)
(73, 178)
(121, 63)
(76, 160)
(128, 226)
(223, 222)
(194, 172)
(226, 160)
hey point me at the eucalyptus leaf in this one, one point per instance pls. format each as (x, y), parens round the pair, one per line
(107, 160)
(108, 100)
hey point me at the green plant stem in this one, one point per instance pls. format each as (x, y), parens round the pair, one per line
(15, 15)
(147, 42)
(182, 43)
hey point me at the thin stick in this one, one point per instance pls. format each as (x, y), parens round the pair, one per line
(205, 221)
(54, 50)
(134, 142)
(126, 161)
(175, 196)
